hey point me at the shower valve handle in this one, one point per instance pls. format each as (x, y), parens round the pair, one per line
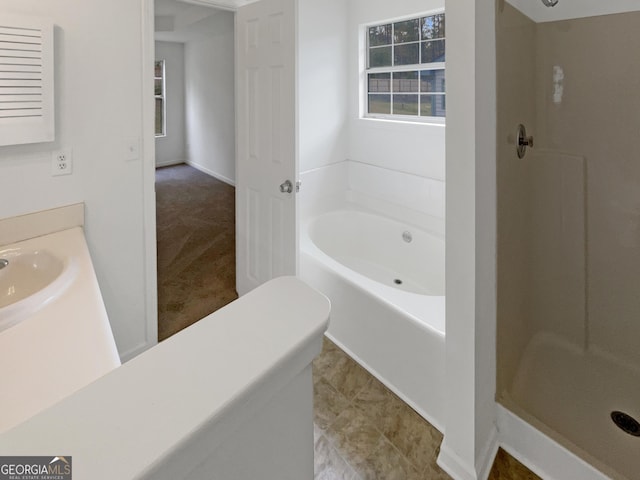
(523, 142)
(526, 141)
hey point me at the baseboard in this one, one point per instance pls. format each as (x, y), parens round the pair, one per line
(208, 171)
(540, 453)
(458, 469)
(168, 163)
(453, 464)
(488, 456)
(135, 351)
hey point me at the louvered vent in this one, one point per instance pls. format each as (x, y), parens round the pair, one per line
(26, 80)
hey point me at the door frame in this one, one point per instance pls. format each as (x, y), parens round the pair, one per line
(147, 54)
(147, 42)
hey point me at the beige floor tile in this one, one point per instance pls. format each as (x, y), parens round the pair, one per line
(413, 436)
(328, 359)
(434, 472)
(406, 430)
(373, 401)
(347, 377)
(328, 464)
(361, 423)
(316, 433)
(505, 467)
(353, 437)
(328, 403)
(387, 463)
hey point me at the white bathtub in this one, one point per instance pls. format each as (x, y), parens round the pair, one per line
(387, 299)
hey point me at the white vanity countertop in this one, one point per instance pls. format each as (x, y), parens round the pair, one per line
(62, 346)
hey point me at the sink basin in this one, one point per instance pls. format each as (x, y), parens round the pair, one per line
(29, 279)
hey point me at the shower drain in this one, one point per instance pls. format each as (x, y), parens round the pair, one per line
(626, 422)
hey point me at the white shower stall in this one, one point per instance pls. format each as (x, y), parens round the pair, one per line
(569, 226)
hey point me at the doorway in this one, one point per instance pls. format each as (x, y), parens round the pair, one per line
(195, 162)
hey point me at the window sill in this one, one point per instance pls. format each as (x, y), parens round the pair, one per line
(431, 122)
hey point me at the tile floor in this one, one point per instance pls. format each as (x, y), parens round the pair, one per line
(365, 432)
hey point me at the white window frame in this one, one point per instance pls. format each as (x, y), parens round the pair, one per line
(162, 96)
(365, 71)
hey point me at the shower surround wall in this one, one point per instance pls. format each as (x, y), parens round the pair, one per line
(569, 212)
(598, 120)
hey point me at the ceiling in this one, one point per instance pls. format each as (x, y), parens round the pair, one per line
(568, 9)
(179, 21)
(170, 8)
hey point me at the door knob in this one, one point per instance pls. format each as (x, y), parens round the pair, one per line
(286, 187)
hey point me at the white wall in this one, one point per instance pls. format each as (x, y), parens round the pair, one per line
(210, 104)
(322, 93)
(98, 113)
(470, 433)
(171, 148)
(408, 147)
(330, 127)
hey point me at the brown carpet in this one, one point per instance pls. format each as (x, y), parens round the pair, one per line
(196, 246)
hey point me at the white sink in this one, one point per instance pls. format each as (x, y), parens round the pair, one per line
(55, 336)
(29, 279)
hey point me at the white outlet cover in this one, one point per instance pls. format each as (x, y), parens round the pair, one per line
(59, 167)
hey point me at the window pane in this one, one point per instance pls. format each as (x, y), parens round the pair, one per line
(405, 82)
(432, 27)
(380, 57)
(405, 104)
(158, 69)
(380, 104)
(379, 82)
(158, 86)
(407, 31)
(380, 35)
(433, 106)
(406, 54)
(433, 51)
(432, 81)
(159, 115)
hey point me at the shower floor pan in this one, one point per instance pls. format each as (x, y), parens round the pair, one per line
(570, 394)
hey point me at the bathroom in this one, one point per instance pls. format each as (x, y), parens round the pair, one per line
(101, 117)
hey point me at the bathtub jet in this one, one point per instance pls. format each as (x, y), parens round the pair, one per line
(550, 3)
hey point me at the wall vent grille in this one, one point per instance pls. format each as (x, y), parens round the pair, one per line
(26, 80)
(20, 72)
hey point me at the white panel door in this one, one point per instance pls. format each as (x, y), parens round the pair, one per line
(266, 240)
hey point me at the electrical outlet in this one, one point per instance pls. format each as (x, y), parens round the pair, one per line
(61, 163)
